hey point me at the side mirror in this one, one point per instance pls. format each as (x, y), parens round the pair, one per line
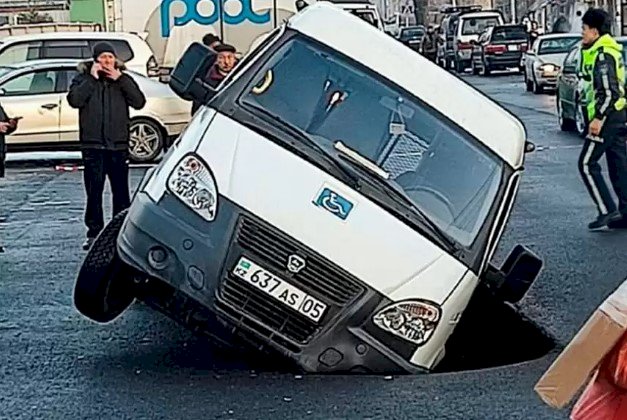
(187, 78)
(529, 147)
(512, 281)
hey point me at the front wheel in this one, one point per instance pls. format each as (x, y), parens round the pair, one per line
(146, 141)
(103, 288)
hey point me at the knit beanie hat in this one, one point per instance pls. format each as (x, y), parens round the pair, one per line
(103, 47)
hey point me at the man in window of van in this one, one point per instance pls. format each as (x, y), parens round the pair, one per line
(225, 61)
(103, 93)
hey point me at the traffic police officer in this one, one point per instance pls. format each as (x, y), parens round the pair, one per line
(603, 72)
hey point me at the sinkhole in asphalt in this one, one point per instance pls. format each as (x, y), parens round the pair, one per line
(492, 334)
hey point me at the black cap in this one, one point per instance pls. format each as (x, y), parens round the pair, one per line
(597, 19)
(103, 47)
(210, 39)
(225, 48)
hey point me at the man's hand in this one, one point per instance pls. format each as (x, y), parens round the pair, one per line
(113, 74)
(595, 127)
(95, 68)
(4, 127)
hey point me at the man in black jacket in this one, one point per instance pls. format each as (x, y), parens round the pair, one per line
(103, 93)
(7, 126)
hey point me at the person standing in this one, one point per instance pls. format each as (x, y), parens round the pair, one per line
(224, 62)
(7, 126)
(103, 93)
(430, 44)
(211, 41)
(603, 72)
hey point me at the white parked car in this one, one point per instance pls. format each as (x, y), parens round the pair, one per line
(130, 48)
(326, 204)
(543, 61)
(37, 91)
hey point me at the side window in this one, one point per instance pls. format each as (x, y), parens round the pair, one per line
(34, 83)
(21, 52)
(64, 80)
(66, 49)
(122, 49)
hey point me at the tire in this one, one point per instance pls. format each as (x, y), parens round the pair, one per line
(146, 141)
(537, 89)
(459, 67)
(103, 289)
(485, 69)
(566, 124)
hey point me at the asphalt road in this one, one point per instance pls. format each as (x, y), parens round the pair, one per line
(55, 364)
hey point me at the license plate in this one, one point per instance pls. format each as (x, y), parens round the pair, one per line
(512, 47)
(279, 289)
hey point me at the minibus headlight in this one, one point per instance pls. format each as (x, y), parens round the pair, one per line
(192, 182)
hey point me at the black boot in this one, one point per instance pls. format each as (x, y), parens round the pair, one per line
(603, 220)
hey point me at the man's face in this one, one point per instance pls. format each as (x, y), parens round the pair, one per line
(589, 35)
(226, 61)
(106, 60)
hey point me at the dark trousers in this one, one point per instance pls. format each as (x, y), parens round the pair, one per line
(100, 164)
(615, 150)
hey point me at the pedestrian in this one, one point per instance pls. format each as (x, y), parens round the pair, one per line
(103, 93)
(225, 62)
(430, 44)
(603, 72)
(7, 126)
(211, 41)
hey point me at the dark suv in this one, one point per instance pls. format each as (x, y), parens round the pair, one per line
(499, 48)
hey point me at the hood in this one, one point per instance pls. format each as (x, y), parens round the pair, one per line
(606, 42)
(371, 244)
(557, 59)
(85, 66)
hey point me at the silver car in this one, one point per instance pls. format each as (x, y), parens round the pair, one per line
(37, 90)
(543, 61)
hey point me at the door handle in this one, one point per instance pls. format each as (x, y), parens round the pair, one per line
(50, 106)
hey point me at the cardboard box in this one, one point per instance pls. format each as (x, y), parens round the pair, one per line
(574, 367)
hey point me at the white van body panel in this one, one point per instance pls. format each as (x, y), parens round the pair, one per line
(276, 186)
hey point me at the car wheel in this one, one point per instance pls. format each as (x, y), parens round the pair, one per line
(537, 89)
(103, 288)
(581, 125)
(485, 69)
(459, 67)
(566, 124)
(146, 141)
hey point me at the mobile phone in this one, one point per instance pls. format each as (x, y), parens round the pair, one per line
(16, 118)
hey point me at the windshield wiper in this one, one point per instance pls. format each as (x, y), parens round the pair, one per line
(350, 178)
(397, 194)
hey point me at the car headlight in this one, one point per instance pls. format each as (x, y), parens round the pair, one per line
(192, 182)
(548, 68)
(412, 320)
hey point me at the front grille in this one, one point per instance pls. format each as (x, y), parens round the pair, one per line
(275, 316)
(271, 249)
(319, 277)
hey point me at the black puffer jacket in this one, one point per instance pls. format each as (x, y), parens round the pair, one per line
(3, 145)
(103, 106)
